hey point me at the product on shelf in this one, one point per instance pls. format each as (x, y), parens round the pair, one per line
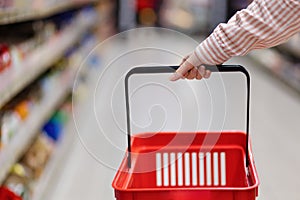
(53, 128)
(188, 16)
(34, 160)
(1, 142)
(16, 55)
(22, 108)
(18, 181)
(5, 57)
(7, 194)
(21, 181)
(10, 121)
(19, 42)
(13, 114)
(37, 155)
(17, 111)
(24, 44)
(280, 63)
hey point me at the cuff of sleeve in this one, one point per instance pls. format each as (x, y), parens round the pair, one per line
(209, 52)
(194, 60)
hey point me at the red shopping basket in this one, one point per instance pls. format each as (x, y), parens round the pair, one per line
(182, 166)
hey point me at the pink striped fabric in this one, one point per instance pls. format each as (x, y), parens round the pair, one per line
(265, 23)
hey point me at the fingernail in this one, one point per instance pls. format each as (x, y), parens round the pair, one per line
(175, 77)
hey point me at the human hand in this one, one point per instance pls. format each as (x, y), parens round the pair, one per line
(188, 71)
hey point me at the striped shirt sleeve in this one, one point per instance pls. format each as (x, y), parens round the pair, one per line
(263, 24)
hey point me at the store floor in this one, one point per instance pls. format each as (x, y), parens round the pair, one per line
(88, 168)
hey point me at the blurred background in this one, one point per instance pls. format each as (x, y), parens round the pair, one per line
(62, 109)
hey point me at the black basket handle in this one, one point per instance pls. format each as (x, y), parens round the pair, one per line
(172, 69)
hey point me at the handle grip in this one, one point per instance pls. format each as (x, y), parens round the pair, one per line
(172, 69)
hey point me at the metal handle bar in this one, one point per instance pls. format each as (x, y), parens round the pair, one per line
(172, 69)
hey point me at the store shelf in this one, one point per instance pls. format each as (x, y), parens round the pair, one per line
(62, 148)
(13, 16)
(292, 46)
(278, 66)
(10, 154)
(13, 81)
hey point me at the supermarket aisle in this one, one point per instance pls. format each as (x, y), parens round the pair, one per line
(274, 129)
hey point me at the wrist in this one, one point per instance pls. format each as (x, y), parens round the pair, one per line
(194, 60)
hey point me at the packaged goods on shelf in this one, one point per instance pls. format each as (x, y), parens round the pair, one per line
(18, 181)
(38, 63)
(292, 46)
(9, 125)
(11, 7)
(6, 194)
(5, 57)
(24, 175)
(37, 155)
(53, 128)
(279, 63)
(61, 73)
(24, 38)
(42, 96)
(15, 5)
(13, 11)
(190, 16)
(18, 110)
(18, 45)
(88, 69)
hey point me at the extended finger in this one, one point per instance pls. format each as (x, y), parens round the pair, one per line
(181, 71)
(184, 68)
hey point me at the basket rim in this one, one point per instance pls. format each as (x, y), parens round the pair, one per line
(167, 188)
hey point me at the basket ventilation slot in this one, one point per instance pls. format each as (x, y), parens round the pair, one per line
(191, 168)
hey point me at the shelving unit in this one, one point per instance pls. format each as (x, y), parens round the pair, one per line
(292, 46)
(23, 138)
(17, 78)
(41, 59)
(62, 149)
(14, 16)
(278, 65)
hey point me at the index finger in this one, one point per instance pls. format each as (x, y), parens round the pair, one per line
(184, 68)
(181, 71)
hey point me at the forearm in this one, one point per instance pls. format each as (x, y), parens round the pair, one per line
(265, 23)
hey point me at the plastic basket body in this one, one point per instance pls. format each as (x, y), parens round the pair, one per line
(164, 167)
